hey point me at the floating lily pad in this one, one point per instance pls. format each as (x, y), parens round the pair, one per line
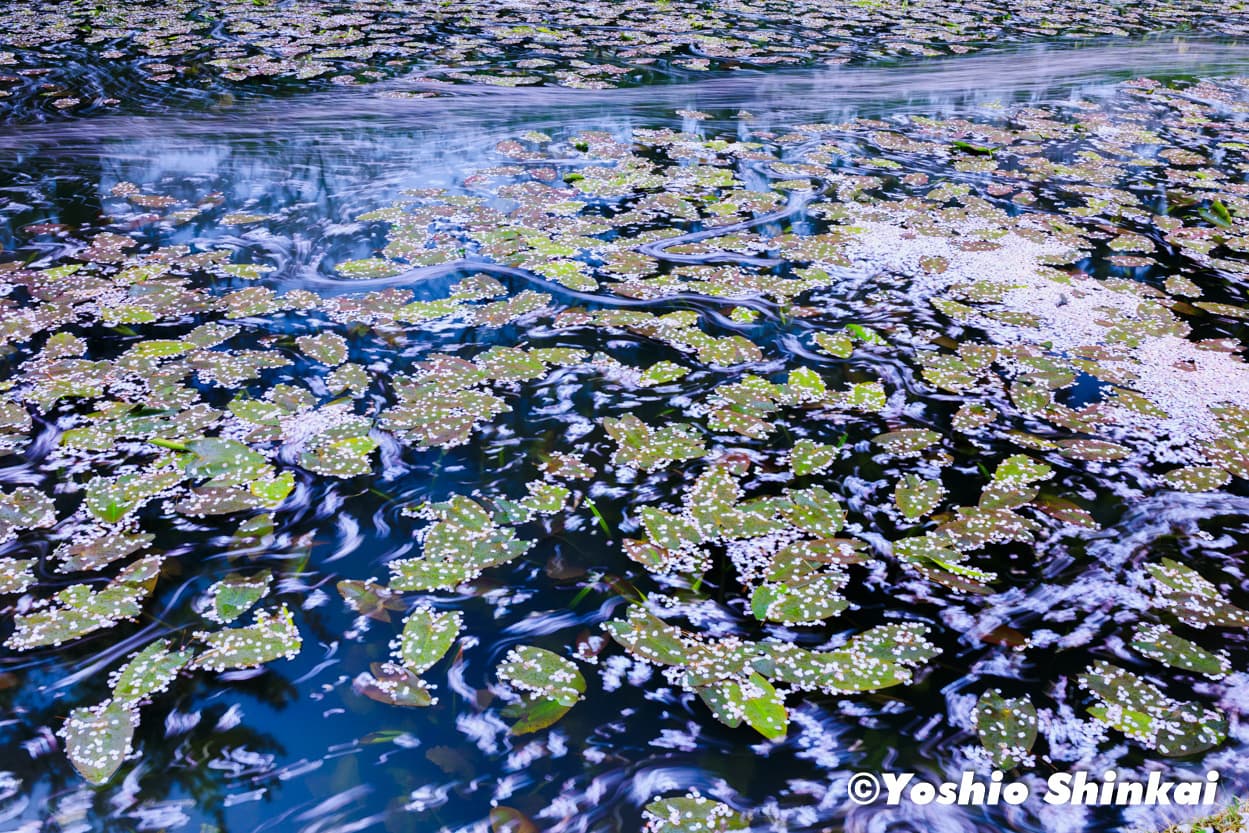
(650, 448)
(235, 594)
(549, 684)
(753, 701)
(809, 457)
(271, 636)
(113, 498)
(692, 814)
(16, 574)
(148, 672)
(1195, 600)
(427, 636)
(98, 740)
(1156, 642)
(326, 348)
(1007, 728)
(462, 543)
(906, 442)
(24, 508)
(1143, 713)
(78, 609)
(371, 599)
(917, 497)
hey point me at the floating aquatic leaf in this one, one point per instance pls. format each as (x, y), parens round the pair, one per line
(550, 686)
(878, 658)
(16, 574)
(326, 348)
(24, 508)
(753, 700)
(542, 673)
(972, 416)
(235, 594)
(427, 636)
(906, 442)
(271, 636)
(273, 490)
(1195, 600)
(1012, 484)
(100, 550)
(78, 610)
(371, 599)
(805, 600)
(917, 497)
(840, 345)
(1156, 642)
(649, 637)
(98, 739)
(370, 267)
(225, 462)
(1197, 478)
(866, 396)
(505, 819)
(113, 498)
(692, 814)
(462, 543)
(649, 448)
(976, 526)
(1142, 712)
(1007, 728)
(935, 558)
(148, 672)
(815, 511)
(342, 450)
(809, 457)
(394, 685)
(1092, 450)
(661, 373)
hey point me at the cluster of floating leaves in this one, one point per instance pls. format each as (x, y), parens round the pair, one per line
(1005, 268)
(64, 57)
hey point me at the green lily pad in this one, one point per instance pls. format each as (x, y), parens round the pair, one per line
(1192, 598)
(326, 348)
(1197, 478)
(906, 442)
(1156, 642)
(814, 510)
(1007, 728)
(113, 498)
(549, 685)
(98, 739)
(692, 814)
(458, 547)
(24, 508)
(16, 574)
(270, 636)
(235, 594)
(78, 610)
(650, 448)
(753, 700)
(371, 599)
(1143, 713)
(809, 457)
(148, 672)
(542, 673)
(427, 636)
(917, 497)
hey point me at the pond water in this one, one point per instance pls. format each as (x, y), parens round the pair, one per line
(985, 304)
